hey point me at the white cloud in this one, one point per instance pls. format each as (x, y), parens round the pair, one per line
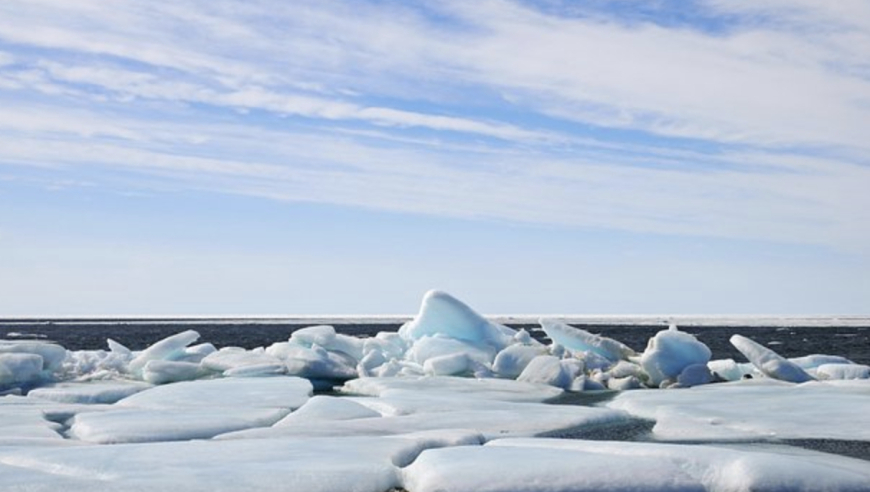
(756, 85)
(119, 87)
(824, 204)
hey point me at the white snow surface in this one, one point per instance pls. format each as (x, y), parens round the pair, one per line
(552, 465)
(452, 401)
(755, 409)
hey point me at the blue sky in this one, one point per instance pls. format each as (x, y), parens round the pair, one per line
(610, 156)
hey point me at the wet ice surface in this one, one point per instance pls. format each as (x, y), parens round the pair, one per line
(451, 402)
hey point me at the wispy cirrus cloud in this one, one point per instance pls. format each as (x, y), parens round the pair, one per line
(493, 110)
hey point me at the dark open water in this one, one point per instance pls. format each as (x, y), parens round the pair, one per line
(848, 341)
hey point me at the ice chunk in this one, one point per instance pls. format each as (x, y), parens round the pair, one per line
(669, 352)
(694, 375)
(167, 349)
(93, 364)
(19, 368)
(429, 347)
(321, 335)
(326, 337)
(489, 389)
(256, 371)
(443, 314)
(371, 361)
(577, 340)
(52, 354)
(313, 362)
(390, 347)
(234, 357)
(726, 369)
(328, 408)
(624, 383)
(118, 348)
(815, 360)
(454, 364)
(168, 371)
(546, 369)
(769, 362)
(624, 369)
(511, 361)
(843, 371)
(88, 393)
(196, 353)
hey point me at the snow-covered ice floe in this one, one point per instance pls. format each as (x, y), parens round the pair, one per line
(452, 401)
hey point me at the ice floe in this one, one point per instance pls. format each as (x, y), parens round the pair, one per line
(755, 409)
(549, 465)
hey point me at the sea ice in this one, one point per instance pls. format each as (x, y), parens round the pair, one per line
(19, 368)
(556, 465)
(328, 408)
(313, 362)
(510, 362)
(669, 352)
(755, 409)
(694, 375)
(488, 389)
(443, 314)
(150, 425)
(455, 364)
(193, 410)
(728, 370)
(326, 337)
(577, 340)
(547, 369)
(311, 464)
(171, 371)
(815, 360)
(490, 419)
(267, 432)
(279, 392)
(169, 348)
(235, 357)
(843, 371)
(769, 362)
(52, 354)
(256, 370)
(88, 392)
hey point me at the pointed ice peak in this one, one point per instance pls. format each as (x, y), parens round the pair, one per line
(442, 314)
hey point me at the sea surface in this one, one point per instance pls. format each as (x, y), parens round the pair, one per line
(788, 337)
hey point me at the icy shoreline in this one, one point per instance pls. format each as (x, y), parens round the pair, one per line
(452, 401)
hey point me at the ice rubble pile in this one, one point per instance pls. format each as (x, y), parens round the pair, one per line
(446, 338)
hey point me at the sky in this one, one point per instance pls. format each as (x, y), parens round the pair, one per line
(344, 157)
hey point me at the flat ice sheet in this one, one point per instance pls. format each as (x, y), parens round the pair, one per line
(310, 465)
(554, 465)
(491, 421)
(149, 425)
(271, 392)
(193, 410)
(755, 409)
